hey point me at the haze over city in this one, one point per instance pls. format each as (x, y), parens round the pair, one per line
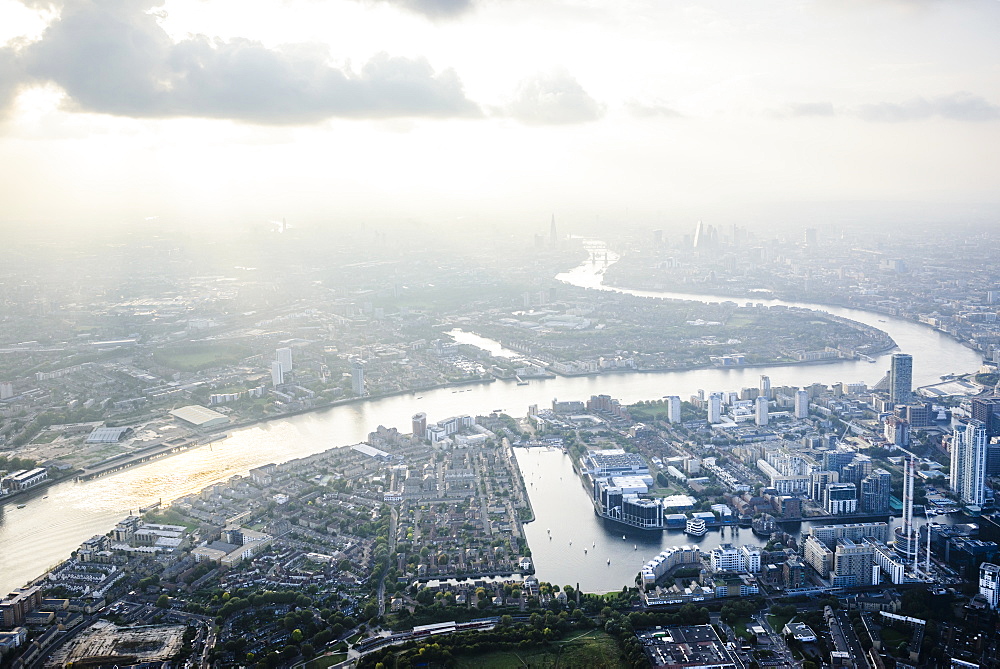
(496, 333)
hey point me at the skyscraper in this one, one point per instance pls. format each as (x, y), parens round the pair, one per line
(277, 376)
(765, 386)
(553, 237)
(901, 378)
(968, 462)
(875, 491)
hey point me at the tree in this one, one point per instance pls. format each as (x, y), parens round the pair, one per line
(163, 602)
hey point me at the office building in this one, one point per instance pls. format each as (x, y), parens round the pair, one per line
(284, 356)
(760, 415)
(674, 409)
(989, 583)
(801, 404)
(901, 378)
(840, 498)
(876, 489)
(968, 462)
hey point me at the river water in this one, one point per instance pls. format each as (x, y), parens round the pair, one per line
(55, 521)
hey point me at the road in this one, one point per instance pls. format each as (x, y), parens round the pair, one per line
(777, 642)
(393, 520)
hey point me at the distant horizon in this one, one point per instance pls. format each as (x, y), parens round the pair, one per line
(211, 112)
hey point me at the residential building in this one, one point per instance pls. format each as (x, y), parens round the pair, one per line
(840, 498)
(968, 462)
(901, 378)
(989, 583)
(876, 489)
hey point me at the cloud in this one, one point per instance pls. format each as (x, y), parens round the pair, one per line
(960, 106)
(435, 8)
(800, 109)
(111, 56)
(654, 110)
(555, 98)
(11, 77)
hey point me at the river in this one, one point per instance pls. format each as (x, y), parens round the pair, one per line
(55, 521)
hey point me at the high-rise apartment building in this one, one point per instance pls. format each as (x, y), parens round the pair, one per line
(840, 498)
(760, 415)
(715, 408)
(765, 386)
(901, 378)
(358, 378)
(989, 583)
(277, 377)
(968, 462)
(801, 404)
(674, 409)
(284, 356)
(852, 564)
(875, 491)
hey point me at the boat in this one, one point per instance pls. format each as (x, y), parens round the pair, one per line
(623, 537)
(584, 551)
(609, 560)
(21, 506)
(695, 527)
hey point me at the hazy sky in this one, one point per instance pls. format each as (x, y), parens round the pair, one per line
(217, 111)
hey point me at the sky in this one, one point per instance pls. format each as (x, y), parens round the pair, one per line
(214, 113)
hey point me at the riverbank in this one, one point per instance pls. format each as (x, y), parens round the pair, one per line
(44, 485)
(694, 296)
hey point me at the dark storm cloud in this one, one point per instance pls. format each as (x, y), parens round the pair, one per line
(956, 107)
(111, 56)
(553, 99)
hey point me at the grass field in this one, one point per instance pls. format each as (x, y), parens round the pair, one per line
(326, 661)
(778, 622)
(594, 650)
(196, 357)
